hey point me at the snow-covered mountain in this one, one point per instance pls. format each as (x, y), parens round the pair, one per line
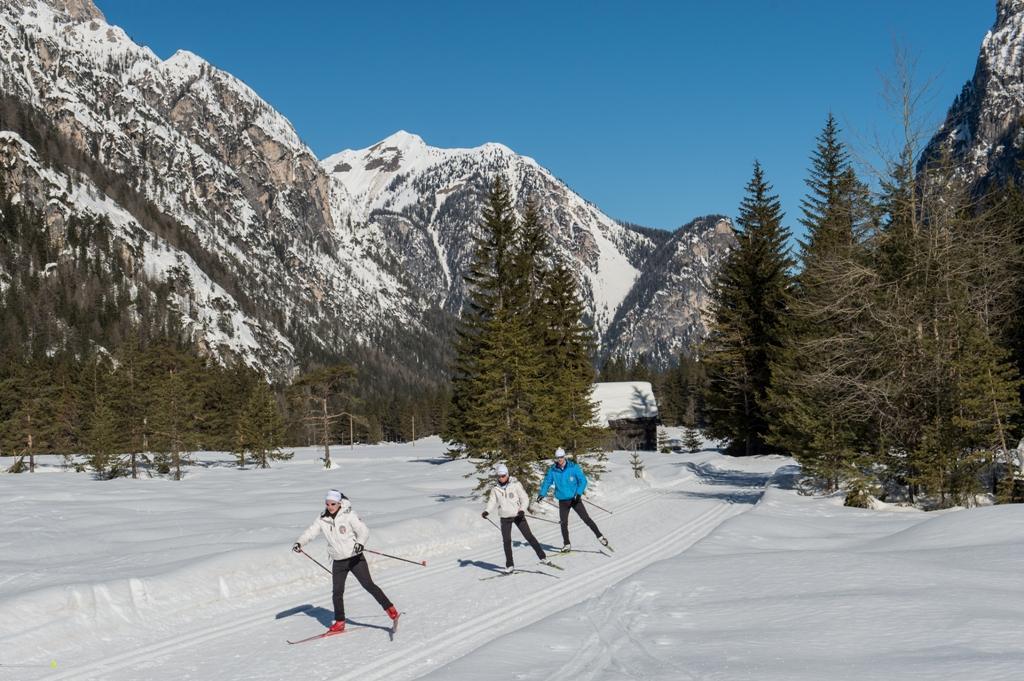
(363, 250)
(196, 147)
(984, 129)
(426, 202)
(646, 295)
(665, 312)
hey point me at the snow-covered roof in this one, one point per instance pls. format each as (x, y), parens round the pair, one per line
(624, 400)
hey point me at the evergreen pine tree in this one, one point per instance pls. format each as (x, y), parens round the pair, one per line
(488, 271)
(751, 294)
(568, 354)
(692, 440)
(174, 423)
(813, 415)
(260, 429)
(637, 464)
(103, 441)
(523, 379)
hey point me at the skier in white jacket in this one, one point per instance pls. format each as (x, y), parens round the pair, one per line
(345, 534)
(510, 500)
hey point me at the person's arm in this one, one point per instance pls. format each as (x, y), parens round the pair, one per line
(360, 532)
(492, 503)
(581, 486)
(310, 533)
(544, 486)
(524, 498)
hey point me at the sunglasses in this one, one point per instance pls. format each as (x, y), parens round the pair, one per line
(332, 503)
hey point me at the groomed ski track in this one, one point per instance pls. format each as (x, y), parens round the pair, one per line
(447, 611)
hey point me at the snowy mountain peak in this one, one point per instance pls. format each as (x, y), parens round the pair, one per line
(401, 140)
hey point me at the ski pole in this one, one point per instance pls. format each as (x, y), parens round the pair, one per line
(314, 560)
(596, 506)
(386, 555)
(495, 524)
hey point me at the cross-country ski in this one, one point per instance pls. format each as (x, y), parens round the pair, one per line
(326, 634)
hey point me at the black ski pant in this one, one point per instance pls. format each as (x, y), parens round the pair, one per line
(524, 528)
(563, 517)
(358, 566)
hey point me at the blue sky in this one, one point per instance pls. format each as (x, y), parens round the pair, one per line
(653, 111)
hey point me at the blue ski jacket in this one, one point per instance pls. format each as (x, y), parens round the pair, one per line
(568, 481)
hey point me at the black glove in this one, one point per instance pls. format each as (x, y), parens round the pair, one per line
(576, 499)
(297, 547)
(484, 514)
(358, 548)
(520, 515)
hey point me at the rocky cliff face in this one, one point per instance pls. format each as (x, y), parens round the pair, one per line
(666, 312)
(984, 130)
(209, 313)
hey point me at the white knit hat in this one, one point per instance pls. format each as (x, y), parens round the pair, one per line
(333, 495)
(559, 453)
(500, 470)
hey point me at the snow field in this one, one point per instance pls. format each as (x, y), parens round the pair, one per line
(797, 589)
(132, 572)
(721, 571)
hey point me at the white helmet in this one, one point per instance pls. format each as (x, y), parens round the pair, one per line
(559, 453)
(500, 470)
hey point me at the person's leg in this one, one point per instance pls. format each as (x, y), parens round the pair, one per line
(506, 540)
(581, 510)
(524, 527)
(361, 569)
(340, 574)
(563, 518)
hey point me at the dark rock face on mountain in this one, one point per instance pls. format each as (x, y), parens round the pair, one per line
(983, 134)
(665, 313)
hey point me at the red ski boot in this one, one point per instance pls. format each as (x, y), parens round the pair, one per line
(337, 628)
(394, 615)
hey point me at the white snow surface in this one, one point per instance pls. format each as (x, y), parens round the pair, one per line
(720, 571)
(624, 400)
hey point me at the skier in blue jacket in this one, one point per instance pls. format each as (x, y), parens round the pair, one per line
(570, 483)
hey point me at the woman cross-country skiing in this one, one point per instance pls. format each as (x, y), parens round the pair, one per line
(570, 483)
(510, 500)
(345, 534)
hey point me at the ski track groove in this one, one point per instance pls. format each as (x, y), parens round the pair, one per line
(399, 662)
(616, 572)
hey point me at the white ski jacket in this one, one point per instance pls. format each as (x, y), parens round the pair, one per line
(342, 532)
(508, 500)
